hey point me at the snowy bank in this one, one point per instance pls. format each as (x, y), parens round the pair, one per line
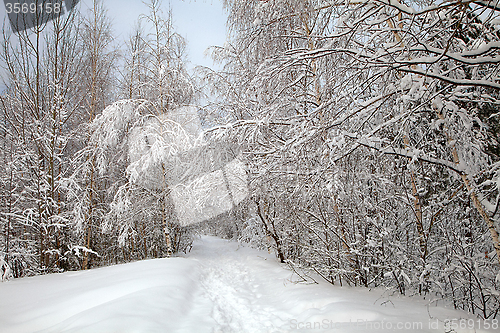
(221, 286)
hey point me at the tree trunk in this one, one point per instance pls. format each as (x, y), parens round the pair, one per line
(272, 233)
(475, 200)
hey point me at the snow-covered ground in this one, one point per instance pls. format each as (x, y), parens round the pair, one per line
(220, 286)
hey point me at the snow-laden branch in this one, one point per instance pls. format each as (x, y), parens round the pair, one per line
(458, 82)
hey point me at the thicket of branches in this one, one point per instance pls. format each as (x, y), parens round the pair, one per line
(372, 140)
(64, 172)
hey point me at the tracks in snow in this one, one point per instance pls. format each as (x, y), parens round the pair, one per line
(242, 297)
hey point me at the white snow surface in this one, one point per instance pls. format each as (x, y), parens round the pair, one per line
(220, 286)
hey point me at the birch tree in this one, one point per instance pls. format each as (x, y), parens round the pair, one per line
(97, 89)
(37, 109)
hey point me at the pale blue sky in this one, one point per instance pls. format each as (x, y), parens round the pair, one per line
(201, 22)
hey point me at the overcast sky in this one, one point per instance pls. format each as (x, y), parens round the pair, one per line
(201, 22)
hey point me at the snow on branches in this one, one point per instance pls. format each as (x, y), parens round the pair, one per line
(372, 130)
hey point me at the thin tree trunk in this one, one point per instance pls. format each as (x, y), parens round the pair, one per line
(164, 201)
(264, 217)
(475, 200)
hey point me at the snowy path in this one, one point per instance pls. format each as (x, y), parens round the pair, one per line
(219, 287)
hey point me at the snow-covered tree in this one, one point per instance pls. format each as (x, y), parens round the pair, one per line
(97, 90)
(140, 148)
(37, 109)
(58, 76)
(155, 62)
(372, 138)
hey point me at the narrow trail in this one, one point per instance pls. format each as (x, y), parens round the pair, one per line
(241, 298)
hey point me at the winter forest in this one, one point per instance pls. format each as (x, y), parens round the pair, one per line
(358, 140)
